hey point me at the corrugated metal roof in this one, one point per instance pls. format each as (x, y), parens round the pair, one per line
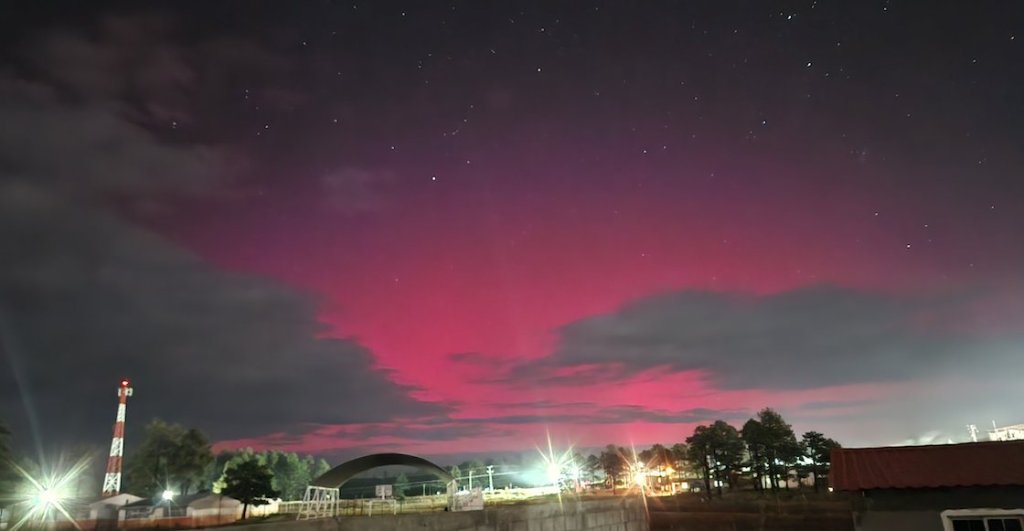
(947, 465)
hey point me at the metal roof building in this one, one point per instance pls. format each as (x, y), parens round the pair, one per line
(951, 487)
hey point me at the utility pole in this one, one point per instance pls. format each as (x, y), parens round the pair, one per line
(974, 432)
(490, 477)
(470, 478)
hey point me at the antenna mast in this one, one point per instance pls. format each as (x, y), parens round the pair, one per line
(112, 479)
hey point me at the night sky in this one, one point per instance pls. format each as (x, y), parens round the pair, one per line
(448, 227)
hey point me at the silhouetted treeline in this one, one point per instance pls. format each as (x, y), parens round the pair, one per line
(764, 454)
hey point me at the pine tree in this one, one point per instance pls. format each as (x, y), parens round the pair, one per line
(250, 483)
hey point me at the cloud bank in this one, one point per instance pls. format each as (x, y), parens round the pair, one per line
(87, 297)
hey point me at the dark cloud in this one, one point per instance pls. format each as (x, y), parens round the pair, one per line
(450, 431)
(92, 148)
(621, 415)
(802, 339)
(824, 405)
(87, 297)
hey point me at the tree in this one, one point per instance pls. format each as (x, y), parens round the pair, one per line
(753, 437)
(250, 483)
(591, 466)
(320, 468)
(818, 449)
(613, 463)
(718, 450)
(700, 452)
(780, 444)
(169, 457)
(8, 476)
(456, 473)
(728, 453)
(291, 472)
(679, 454)
(190, 459)
(790, 452)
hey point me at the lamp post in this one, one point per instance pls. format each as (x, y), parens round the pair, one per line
(168, 496)
(490, 477)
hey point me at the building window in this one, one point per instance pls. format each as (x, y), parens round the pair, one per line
(992, 523)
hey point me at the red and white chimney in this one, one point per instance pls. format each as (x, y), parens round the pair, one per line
(112, 479)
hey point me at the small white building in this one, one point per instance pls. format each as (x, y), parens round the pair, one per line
(214, 509)
(196, 510)
(1008, 433)
(106, 508)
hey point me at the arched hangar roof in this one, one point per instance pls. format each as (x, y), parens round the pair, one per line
(337, 476)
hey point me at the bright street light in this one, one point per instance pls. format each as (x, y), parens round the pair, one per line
(168, 495)
(554, 473)
(44, 496)
(47, 497)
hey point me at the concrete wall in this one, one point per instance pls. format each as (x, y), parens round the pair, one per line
(724, 521)
(691, 513)
(611, 514)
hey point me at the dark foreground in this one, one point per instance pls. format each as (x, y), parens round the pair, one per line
(750, 513)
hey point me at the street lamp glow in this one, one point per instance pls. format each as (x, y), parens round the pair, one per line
(168, 495)
(47, 497)
(44, 496)
(554, 472)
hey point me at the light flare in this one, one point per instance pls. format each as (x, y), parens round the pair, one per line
(47, 497)
(555, 466)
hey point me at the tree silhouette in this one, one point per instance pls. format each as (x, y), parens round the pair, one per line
(456, 473)
(612, 463)
(291, 472)
(818, 450)
(250, 483)
(701, 451)
(8, 477)
(590, 467)
(169, 457)
(780, 444)
(754, 437)
(718, 450)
